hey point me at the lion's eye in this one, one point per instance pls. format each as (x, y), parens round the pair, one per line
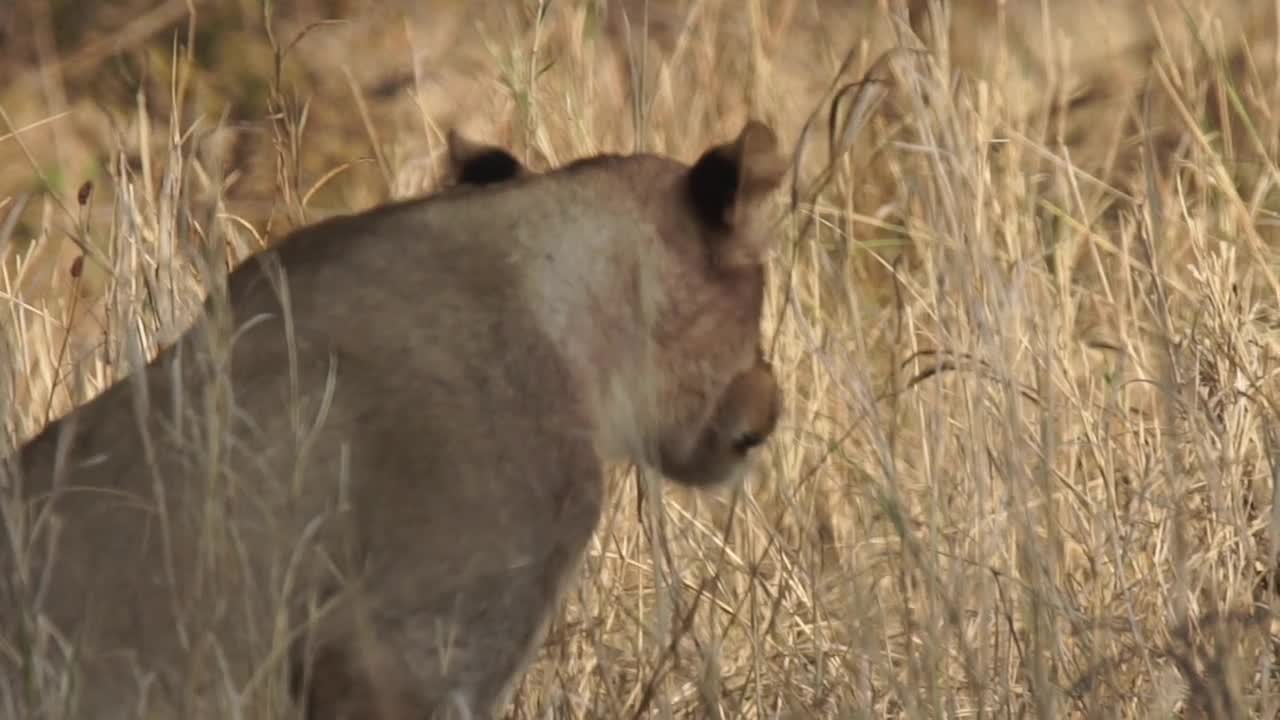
(746, 441)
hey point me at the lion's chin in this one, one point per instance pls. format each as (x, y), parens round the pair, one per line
(713, 462)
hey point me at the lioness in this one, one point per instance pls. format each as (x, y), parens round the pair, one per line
(371, 471)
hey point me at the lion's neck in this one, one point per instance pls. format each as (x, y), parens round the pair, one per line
(595, 296)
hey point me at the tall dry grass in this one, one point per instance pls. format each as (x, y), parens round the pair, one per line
(1027, 331)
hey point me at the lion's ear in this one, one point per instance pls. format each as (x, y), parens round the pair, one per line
(729, 182)
(476, 163)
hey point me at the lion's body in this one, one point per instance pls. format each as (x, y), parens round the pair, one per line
(425, 454)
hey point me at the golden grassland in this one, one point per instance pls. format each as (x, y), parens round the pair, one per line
(1027, 325)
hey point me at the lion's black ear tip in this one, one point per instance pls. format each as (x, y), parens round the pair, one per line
(489, 167)
(476, 163)
(713, 185)
(746, 166)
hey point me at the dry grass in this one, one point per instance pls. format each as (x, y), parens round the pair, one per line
(1027, 330)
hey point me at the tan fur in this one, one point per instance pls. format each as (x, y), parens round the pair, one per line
(378, 488)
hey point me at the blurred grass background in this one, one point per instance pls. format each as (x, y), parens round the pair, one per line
(1027, 330)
